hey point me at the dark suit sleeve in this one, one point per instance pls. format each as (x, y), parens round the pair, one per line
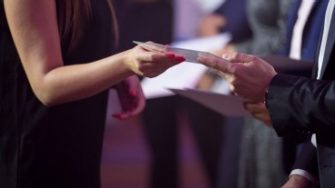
(300, 106)
(307, 159)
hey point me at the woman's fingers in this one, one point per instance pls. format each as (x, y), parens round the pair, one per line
(153, 65)
(154, 56)
(137, 95)
(151, 46)
(131, 98)
(132, 110)
(140, 103)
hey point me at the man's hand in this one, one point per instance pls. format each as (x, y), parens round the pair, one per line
(248, 75)
(259, 111)
(296, 181)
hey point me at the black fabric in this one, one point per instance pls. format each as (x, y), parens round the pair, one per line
(161, 127)
(145, 22)
(301, 106)
(307, 105)
(307, 159)
(52, 147)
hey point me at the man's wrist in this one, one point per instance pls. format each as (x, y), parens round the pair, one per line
(298, 174)
(298, 181)
(266, 90)
(266, 97)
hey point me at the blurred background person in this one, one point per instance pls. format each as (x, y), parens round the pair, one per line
(304, 28)
(259, 146)
(326, 178)
(224, 19)
(305, 23)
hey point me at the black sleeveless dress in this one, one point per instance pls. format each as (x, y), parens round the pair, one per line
(52, 147)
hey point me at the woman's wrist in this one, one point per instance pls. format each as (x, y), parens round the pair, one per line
(124, 58)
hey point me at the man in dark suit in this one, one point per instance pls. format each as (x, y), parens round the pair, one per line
(305, 170)
(297, 106)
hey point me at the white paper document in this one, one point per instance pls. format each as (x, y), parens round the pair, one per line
(184, 75)
(227, 105)
(190, 56)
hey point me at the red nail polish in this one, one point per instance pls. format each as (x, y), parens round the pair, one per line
(133, 93)
(180, 59)
(171, 56)
(117, 116)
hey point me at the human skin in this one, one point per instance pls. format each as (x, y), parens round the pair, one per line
(247, 75)
(34, 28)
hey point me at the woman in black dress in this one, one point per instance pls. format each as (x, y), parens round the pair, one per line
(55, 68)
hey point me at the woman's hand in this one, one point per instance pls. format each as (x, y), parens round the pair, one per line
(248, 76)
(34, 28)
(131, 98)
(151, 62)
(259, 111)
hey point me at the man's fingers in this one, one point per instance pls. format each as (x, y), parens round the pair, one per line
(215, 63)
(255, 107)
(228, 54)
(241, 57)
(235, 57)
(258, 111)
(263, 117)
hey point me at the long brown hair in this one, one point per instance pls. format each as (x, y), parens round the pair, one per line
(72, 14)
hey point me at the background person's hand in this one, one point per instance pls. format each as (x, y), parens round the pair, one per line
(131, 98)
(150, 63)
(211, 25)
(248, 76)
(258, 110)
(228, 49)
(296, 181)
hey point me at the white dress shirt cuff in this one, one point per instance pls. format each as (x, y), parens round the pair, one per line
(313, 140)
(304, 174)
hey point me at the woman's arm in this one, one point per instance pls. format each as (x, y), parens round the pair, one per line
(33, 24)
